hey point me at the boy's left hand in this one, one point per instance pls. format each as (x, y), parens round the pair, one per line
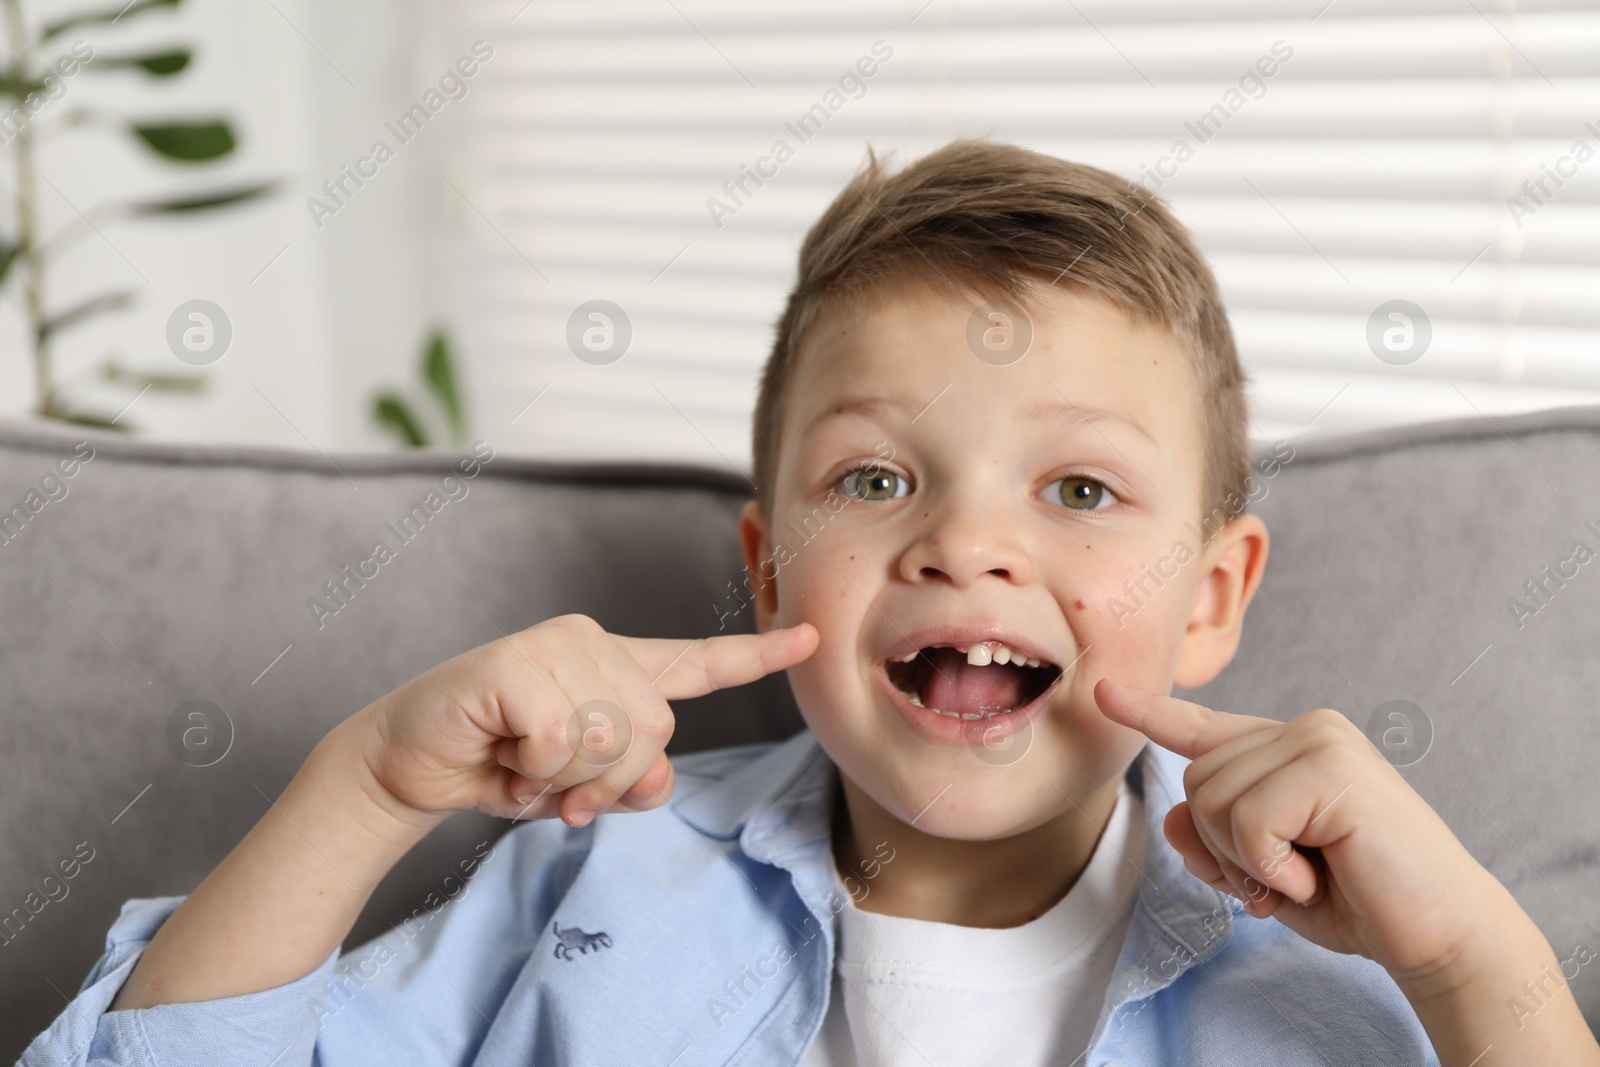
(1305, 821)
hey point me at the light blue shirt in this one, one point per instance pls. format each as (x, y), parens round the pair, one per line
(703, 933)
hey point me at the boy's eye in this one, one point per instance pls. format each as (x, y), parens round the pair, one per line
(873, 483)
(1079, 493)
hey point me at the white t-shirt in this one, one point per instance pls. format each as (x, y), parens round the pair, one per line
(910, 993)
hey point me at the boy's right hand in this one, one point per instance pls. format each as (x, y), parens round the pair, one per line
(562, 718)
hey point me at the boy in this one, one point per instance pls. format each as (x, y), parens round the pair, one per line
(1003, 383)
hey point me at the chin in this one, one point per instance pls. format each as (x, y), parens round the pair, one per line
(984, 822)
(959, 798)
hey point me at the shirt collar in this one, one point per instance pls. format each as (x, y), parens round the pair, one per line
(1185, 918)
(790, 782)
(779, 805)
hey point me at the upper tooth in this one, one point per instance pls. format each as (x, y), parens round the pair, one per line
(981, 655)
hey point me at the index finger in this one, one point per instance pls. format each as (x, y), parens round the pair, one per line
(681, 669)
(1180, 726)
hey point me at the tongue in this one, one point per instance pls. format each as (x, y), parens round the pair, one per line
(952, 684)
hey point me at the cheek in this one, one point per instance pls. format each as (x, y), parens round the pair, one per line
(825, 583)
(829, 581)
(1131, 620)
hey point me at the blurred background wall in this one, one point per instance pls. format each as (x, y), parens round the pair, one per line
(1401, 199)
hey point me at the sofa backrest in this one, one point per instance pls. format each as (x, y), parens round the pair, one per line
(158, 575)
(1426, 581)
(171, 574)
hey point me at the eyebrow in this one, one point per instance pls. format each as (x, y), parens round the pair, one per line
(865, 405)
(1057, 407)
(1089, 413)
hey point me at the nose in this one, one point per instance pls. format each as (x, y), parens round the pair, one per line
(962, 540)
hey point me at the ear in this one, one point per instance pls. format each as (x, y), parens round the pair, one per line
(756, 542)
(1235, 560)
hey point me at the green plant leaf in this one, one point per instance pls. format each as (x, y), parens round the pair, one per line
(87, 309)
(22, 88)
(8, 256)
(110, 14)
(438, 371)
(392, 413)
(89, 418)
(157, 64)
(203, 201)
(189, 142)
(112, 371)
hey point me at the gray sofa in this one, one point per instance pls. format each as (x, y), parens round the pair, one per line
(160, 575)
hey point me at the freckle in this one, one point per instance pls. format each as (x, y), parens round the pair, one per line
(1079, 604)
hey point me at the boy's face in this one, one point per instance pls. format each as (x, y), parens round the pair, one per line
(992, 503)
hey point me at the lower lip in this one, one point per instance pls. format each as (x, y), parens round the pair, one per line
(944, 730)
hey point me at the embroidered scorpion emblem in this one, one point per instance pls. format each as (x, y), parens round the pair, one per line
(574, 938)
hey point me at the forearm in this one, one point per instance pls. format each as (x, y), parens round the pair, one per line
(287, 894)
(1508, 1004)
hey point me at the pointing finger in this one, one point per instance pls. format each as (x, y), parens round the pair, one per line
(1179, 726)
(683, 669)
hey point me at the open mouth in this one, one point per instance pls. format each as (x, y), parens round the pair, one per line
(971, 681)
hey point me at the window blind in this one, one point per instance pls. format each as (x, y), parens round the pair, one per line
(1337, 157)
